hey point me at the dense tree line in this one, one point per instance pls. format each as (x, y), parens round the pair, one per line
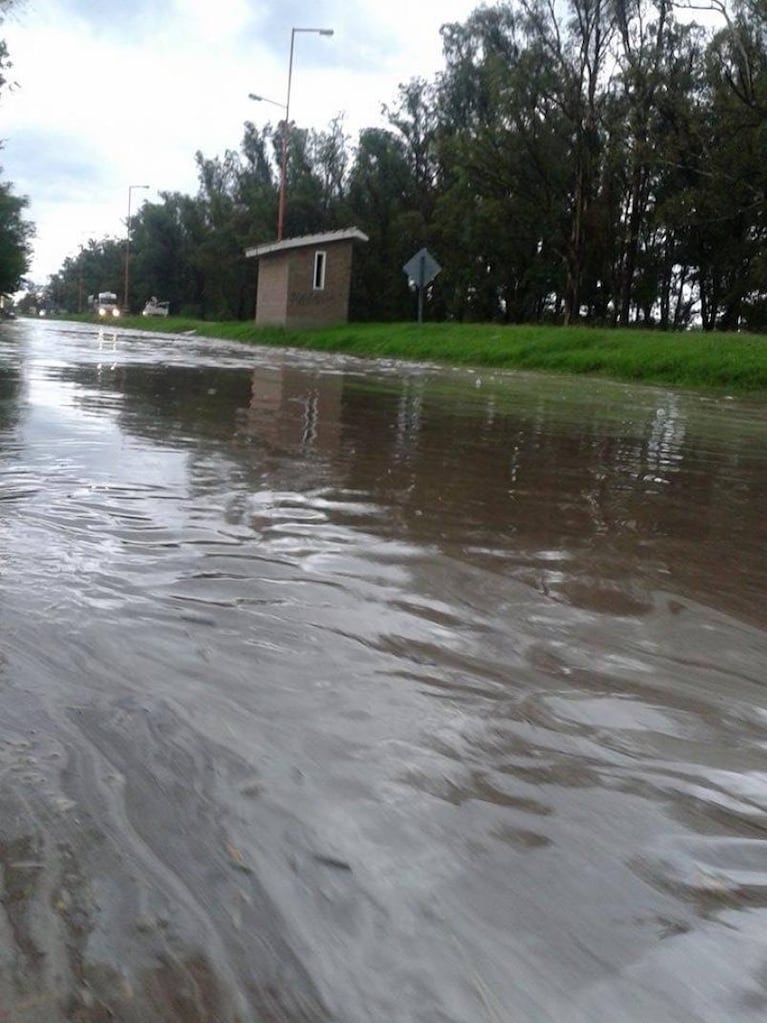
(15, 231)
(602, 161)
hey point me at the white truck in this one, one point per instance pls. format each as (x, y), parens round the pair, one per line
(106, 305)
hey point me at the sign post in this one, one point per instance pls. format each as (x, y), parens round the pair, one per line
(421, 270)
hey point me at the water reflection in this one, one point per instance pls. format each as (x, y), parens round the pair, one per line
(666, 440)
(486, 468)
(372, 692)
(291, 411)
(10, 380)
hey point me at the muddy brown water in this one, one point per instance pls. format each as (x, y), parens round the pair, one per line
(370, 692)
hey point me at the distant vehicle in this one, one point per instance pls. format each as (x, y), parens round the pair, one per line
(155, 308)
(106, 304)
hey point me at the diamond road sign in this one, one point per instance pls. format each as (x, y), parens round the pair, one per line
(422, 268)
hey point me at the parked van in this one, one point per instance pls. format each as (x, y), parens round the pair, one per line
(155, 308)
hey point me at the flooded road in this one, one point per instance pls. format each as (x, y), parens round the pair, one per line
(374, 693)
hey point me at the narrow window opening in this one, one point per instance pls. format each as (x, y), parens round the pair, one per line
(320, 259)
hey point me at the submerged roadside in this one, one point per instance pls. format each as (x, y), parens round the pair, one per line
(731, 363)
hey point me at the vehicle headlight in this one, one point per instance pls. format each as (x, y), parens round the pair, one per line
(115, 312)
(102, 312)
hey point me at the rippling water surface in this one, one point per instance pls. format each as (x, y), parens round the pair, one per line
(371, 693)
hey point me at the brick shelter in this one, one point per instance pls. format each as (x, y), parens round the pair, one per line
(305, 281)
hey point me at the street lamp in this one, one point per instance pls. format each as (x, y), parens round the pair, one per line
(127, 249)
(286, 108)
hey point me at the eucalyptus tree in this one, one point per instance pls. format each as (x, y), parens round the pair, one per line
(216, 252)
(236, 205)
(97, 266)
(524, 102)
(502, 172)
(379, 199)
(733, 234)
(331, 159)
(256, 185)
(643, 42)
(415, 118)
(163, 253)
(15, 239)
(577, 50)
(659, 105)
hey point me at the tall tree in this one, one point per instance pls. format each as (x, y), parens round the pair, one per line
(15, 239)
(577, 49)
(502, 172)
(379, 193)
(15, 232)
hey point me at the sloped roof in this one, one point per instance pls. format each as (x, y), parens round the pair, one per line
(306, 241)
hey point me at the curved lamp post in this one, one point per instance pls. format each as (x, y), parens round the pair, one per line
(127, 249)
(286, 107)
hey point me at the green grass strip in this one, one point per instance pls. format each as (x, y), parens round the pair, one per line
(732, 363)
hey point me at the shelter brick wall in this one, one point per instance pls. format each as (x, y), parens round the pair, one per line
(272, 291)
(286, 293)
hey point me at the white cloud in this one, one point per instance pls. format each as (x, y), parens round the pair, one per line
(203, 20)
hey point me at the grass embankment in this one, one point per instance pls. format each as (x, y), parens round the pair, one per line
(730, 362)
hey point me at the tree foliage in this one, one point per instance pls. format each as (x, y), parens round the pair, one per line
(15, 232)
(15, 236)
(5, 62)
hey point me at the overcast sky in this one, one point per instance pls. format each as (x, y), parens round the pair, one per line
(111, 95)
